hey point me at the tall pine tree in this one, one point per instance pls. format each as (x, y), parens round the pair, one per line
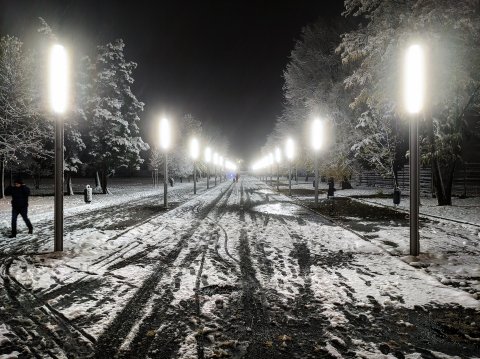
(114, 135)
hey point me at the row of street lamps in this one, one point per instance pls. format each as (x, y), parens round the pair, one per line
(317, 134)
(414, 94)
(218, 161)
(58, 100)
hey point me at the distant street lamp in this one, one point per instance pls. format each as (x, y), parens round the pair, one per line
(59, 94)
(270, 163)
(215, 165)
(165, 145)
(316, 139)
(221, 163)
(208, 159)
(414, 93)
(194, 153)
(290, 152)
(278, 159)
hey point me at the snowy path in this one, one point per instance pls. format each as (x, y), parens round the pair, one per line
(239, 271)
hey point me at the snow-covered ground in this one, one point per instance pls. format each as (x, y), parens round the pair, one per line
(237, 271)
(450, 235)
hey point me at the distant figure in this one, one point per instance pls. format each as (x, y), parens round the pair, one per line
(172, 181)
(19, 193)
(236, 177)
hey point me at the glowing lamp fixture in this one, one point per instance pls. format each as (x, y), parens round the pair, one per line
(208, 154)
(317, 134)
(278, 155)
(164, 134)
(194, 148)
(414, 77)
(58, 79)
(270, 158)
(290, 149)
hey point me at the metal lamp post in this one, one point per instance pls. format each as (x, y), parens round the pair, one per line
(289, 151)
(221, 164)
(316, 139)
(58, 102)
(414, 91)
(194, 152)
(165, 145)
(270, 162)
(215, 165)
(208, 159)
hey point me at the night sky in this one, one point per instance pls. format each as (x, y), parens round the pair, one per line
(222, 61)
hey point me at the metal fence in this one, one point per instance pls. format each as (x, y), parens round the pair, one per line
(466, 180)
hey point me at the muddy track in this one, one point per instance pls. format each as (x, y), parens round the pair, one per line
(110, 341)
(52, 330)
(173, 322)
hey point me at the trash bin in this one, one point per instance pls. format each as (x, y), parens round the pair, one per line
(396, 196)
(87, 194)
(331, 188)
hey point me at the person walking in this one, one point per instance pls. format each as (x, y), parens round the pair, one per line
(19, 193)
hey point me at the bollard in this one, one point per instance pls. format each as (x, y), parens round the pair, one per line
(87, 194)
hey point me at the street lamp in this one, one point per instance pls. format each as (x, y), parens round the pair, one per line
(270, 163)
(289, 152)
(221, 164)
(414, 93)
(194, 153)
(278, 159)
(208, 159)
(58, 91)
(215, 164)
(316, 139)
(165, 145)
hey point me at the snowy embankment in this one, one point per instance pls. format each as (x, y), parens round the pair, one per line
(122, 191)
(464, 210)
(449, 235)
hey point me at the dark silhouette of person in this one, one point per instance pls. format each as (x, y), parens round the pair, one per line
(19, 193)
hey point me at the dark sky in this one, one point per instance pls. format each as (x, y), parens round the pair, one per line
(222, 61)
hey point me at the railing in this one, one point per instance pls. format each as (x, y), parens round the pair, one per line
(466, 180)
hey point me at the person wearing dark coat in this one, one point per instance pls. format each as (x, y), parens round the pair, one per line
(19, 193)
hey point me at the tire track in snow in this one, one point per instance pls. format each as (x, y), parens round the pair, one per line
(55, 333)
(110, 341)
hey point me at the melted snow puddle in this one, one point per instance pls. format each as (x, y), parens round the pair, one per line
(265, 191)
(282, 209)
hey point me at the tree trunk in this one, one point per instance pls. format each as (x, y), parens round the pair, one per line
(98, 184)
(306, 178)
(2, 190)
(104, 181)
(36, 181)
(395, 177)
(69, 183)
(443, 181)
